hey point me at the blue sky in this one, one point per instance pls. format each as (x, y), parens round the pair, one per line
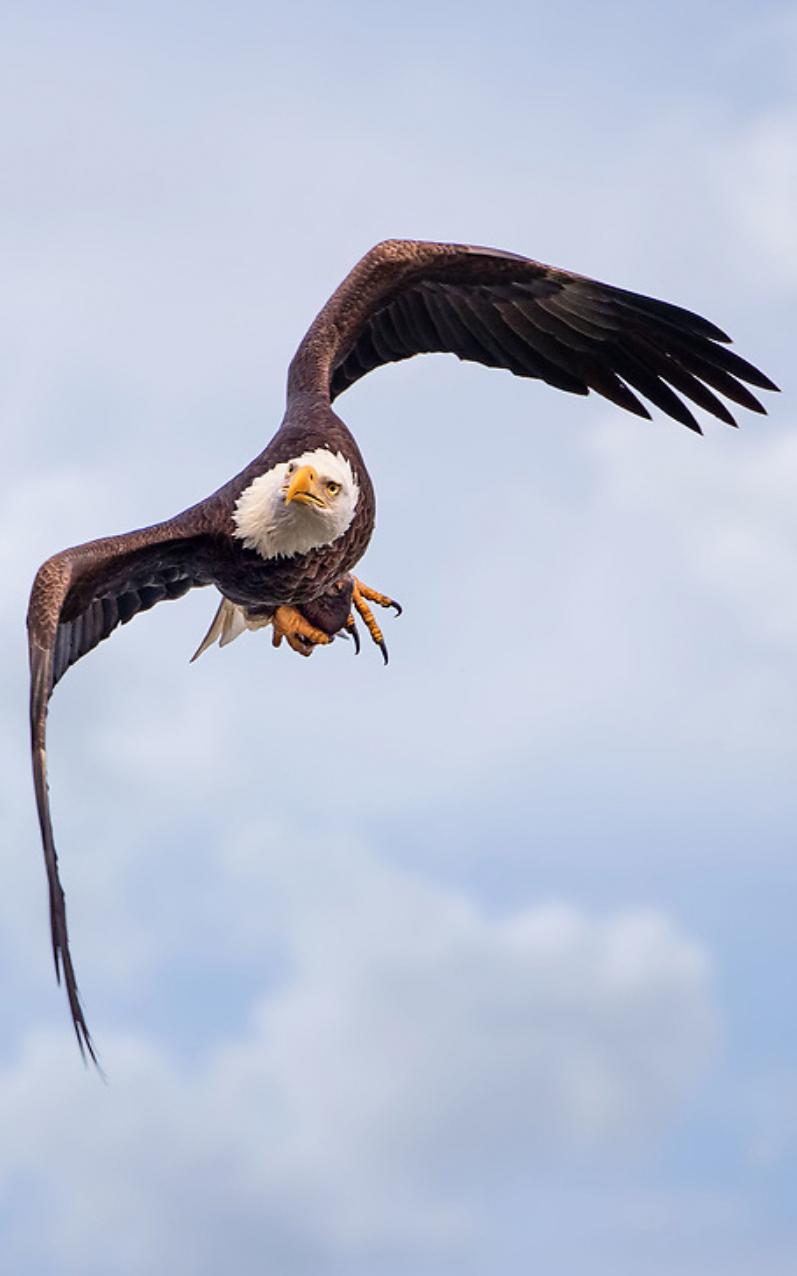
(492, 963)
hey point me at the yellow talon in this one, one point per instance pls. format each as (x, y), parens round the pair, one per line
(351, 626)
(374, 597)
(362, 592)
(301, 636)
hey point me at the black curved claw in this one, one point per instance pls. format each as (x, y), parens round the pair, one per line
(383, 648)
(355, 633)
(398, 607)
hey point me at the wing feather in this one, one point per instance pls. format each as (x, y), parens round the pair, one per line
(456, 333)
(419, 326)
(682, 380)
(704, 367)
(78, 598)
(409, 297)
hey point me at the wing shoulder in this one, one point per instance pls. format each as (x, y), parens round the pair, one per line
(383, 273)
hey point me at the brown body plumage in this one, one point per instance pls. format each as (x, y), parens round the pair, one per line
(403, 298)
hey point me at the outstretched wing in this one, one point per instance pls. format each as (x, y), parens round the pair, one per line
(408, 297)
(78, 598)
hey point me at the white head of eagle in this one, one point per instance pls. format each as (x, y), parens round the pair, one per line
(298, 505)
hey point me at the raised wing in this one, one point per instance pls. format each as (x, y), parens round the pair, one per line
(78, 598)
(407, 297)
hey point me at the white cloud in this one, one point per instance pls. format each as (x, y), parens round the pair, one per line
(417, 1054)
(773, 169)
(758, 169)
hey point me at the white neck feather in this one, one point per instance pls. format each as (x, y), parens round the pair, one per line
(265, 523)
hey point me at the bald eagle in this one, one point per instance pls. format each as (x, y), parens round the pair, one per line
(281, 539)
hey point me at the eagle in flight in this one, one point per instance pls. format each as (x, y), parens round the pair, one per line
(280, 540)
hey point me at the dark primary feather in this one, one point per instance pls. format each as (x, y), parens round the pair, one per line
(406, 298)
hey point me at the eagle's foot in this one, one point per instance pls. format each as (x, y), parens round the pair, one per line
(361, 596)
(352, 631)
(301, 636)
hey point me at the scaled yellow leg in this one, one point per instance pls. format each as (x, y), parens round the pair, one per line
(359, 596)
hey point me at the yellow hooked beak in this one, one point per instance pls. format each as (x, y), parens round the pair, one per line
(305, 487)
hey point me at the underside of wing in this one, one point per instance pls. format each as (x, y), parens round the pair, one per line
(78, 598)
(406, 298)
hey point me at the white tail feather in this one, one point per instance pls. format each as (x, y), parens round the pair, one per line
(234, 623)
(228, 624)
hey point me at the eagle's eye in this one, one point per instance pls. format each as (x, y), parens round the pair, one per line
(291, 468)
(333, 488)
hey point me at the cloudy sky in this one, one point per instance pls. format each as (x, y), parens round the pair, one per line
(484, 961)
